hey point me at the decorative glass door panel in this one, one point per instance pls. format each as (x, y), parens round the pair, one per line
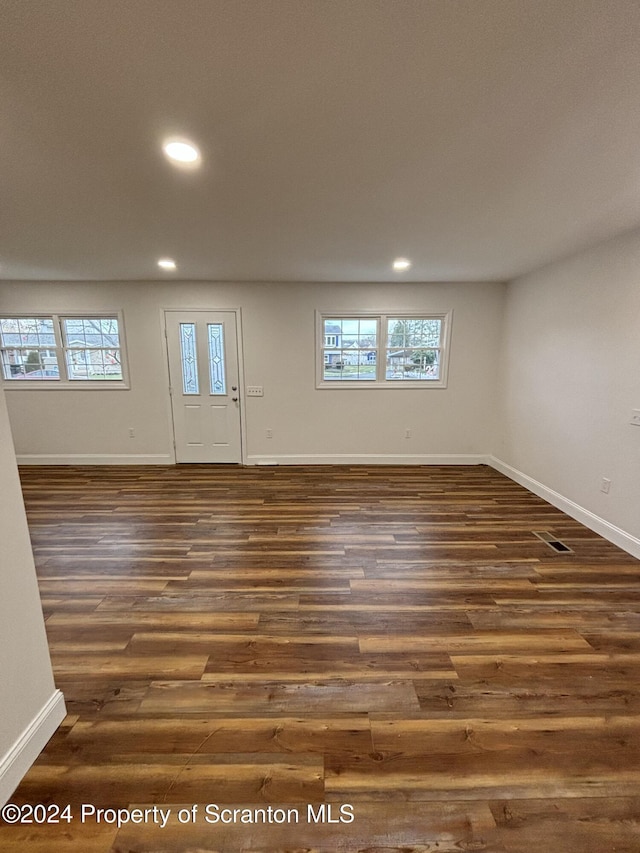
(216, 358)
(189, 359)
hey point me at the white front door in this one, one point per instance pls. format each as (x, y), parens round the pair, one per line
(202, 349)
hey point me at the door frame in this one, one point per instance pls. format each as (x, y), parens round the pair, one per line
(164, 310)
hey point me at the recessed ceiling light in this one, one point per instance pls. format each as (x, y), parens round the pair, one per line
(401, 264)
(167, 264)
(181, 152)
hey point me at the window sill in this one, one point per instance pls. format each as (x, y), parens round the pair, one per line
(389, 385)
(57, 385)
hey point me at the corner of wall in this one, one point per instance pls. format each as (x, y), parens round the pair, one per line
(21, 755)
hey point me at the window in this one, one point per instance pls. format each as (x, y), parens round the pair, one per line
(350, 349)
(399, 350)
(63, 351)
(413, 349)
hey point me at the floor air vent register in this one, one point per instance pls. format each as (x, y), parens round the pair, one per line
(552, 541)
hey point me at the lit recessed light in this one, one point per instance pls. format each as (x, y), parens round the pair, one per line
(181, 152)
(401, 264)
(167, 264)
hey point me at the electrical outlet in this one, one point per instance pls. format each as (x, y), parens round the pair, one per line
(605, 485)
(269, 433)
(407, 433)
(132, 432)
(635, 417)
(254, 391)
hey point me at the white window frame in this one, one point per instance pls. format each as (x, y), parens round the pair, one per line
(381, 350)
(64, 383)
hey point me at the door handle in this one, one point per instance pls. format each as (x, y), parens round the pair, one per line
(234, 387)
(235, 399)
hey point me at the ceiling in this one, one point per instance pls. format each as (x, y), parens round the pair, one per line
(479, 138)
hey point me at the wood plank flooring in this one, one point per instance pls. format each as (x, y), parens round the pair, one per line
(391, 638)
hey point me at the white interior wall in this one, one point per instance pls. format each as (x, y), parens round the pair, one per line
(571, 378)
(454, 424)
(31, 706)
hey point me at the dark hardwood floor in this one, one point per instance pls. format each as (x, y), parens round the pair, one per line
(391, 638)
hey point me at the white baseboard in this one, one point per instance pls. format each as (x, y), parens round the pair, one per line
(95, 459)
(369, 459)
(594, 522)
(17, 761)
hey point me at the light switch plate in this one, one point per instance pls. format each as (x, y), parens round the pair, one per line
(254, 391)
(635, 417)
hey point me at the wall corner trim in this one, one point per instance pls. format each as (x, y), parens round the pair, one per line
(19, 758)
(594, 522)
